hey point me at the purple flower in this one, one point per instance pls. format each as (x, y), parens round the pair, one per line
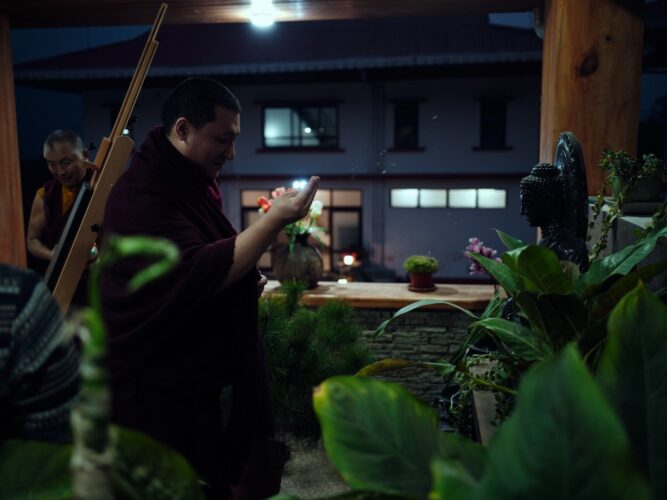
(475, 245)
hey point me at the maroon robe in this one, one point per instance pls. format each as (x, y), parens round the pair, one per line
(55, 221)
(177, 342)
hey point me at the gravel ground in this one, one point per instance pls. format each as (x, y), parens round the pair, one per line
(309, 473)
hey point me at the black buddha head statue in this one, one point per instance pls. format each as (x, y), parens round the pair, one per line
(542, 195)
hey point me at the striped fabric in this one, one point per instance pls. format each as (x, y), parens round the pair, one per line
(39, 373)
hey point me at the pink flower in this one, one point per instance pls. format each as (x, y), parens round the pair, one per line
(475, 245)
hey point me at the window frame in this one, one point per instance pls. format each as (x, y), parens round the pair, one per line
(448, 196)
(486, 123)
(296, 105)
(397, 103)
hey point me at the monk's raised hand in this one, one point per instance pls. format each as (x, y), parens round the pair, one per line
(294, 205)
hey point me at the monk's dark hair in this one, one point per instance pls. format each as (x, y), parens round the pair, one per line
(64, 136)
(196, 99)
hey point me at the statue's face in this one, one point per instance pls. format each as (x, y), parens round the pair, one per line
(535, 208)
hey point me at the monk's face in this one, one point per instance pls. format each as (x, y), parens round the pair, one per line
(65, 162)
(212, 144)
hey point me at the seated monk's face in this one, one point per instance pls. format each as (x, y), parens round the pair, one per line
(65, 162)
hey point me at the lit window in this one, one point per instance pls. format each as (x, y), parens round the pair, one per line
(462, 198)
(433, 198)
(307, 127)
(405, 198)
(491, 198)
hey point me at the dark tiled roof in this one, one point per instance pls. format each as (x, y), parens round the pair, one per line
(299, 46)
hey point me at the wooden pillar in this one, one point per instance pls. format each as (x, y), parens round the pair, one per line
(12, 239)
(591, 71)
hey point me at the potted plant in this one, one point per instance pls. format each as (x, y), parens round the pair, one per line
(633, 179)
(421, 269)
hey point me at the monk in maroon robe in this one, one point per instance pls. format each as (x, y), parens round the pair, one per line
(175, 344)
(65, 154)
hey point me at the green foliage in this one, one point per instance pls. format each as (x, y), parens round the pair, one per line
(421, 264)
(304, 347)
(552, 305)
(563, 441)
(622, 167)
(143, 469)
(570, 436)
(381, 438)
(632, 372)
(621, 164)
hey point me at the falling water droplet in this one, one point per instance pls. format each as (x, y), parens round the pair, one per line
(384, 172)
(434, 117)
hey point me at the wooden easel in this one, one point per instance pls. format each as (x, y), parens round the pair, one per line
(72, 251)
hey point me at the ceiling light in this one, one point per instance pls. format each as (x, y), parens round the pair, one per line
(262, 13)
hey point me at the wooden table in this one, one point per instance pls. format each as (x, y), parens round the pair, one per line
(392, 295)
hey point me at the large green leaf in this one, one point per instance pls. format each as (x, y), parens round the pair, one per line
(620, 262)
(452, 482)
(608, 300)
(381, 438)
(143, 469)
(509, 241)
(562, 442)
(146, 469)
(564, 317)
(542, 271)
(502, 273)
(521, 340)
(633, 373)
(417, 305)
(35, 470)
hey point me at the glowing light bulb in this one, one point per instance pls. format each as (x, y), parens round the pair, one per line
(262, 13)
(348, 260)
(299, 184)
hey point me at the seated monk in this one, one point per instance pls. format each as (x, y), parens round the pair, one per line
(65, 155)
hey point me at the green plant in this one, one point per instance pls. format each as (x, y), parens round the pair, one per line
(106, 461)
(569, 436)
(551, 305)
(621, 166)
(420, 264)
(304, 347)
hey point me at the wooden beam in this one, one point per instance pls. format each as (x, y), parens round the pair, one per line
(12, 239)
(591, 70)
(39, 14)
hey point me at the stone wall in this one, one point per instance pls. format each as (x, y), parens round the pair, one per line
(422, 335)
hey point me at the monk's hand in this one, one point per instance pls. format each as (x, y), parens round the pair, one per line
(293, 205)
(261, 283)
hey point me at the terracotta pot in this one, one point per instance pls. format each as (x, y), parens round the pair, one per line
(421, 282)
(303, 264)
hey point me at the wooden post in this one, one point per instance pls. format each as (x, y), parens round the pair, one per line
(12, 238)
(591, 70)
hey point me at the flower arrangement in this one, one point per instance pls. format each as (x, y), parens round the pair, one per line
(305, 226)
(475, 245)
(421, 264)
